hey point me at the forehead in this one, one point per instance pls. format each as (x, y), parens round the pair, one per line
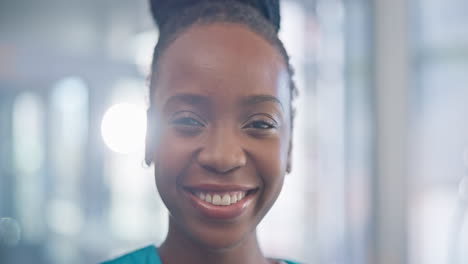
(221, 58)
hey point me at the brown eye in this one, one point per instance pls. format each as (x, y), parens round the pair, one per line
(186, 118)
(260, 124)
(187, 121)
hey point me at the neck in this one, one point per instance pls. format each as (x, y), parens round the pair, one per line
(179, 248)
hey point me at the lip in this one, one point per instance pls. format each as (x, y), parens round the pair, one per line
(209, 187)
(216, 212)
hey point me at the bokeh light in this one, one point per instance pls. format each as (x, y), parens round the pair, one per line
(123, 128)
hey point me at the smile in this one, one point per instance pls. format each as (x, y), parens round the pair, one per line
(222, 199)
(216, 203)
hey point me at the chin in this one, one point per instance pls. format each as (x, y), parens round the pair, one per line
(219, 244)
(221, 239)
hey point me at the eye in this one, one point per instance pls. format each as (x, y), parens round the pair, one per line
(260, 124)
(186, 118)
(187, 121)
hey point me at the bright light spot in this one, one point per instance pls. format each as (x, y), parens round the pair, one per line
(123, 128)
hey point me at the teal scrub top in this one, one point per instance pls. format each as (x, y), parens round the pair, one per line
(148, 255)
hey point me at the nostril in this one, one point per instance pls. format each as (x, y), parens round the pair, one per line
(221, 158)
(209, 168)
(219, 169)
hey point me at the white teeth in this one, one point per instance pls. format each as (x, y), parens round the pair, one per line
(226, 199)
(234, 198)
(201, 196)
(216, 199)
(221, 199)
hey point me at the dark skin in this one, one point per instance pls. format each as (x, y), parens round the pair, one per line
(222, 109)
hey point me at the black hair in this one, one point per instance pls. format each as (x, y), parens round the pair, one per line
(163, 10)
(175, 16)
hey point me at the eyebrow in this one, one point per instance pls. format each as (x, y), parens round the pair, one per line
(256, 99)
(187, 98)
(195, 99)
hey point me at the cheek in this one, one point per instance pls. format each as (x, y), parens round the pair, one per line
(172, 157)
(270, 159)
(270, 164)
(275, 157)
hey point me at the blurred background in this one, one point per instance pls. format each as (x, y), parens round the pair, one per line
(380, 136)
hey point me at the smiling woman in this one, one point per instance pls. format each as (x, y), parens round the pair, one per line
(221, 99)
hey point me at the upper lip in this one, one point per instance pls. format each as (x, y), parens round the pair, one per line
(220, 187)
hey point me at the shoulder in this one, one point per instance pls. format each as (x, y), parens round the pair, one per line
(146, 255)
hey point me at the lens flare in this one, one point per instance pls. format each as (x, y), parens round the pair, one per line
(123, 128)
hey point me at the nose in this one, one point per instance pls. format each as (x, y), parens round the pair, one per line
(222, 152)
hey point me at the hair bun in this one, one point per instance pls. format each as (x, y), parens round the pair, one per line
(162, 10)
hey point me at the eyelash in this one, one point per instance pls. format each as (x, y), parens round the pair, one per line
(192, 123)
(261, 124)
(187, 121)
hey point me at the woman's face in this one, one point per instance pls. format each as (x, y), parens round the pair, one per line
(222, 140)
